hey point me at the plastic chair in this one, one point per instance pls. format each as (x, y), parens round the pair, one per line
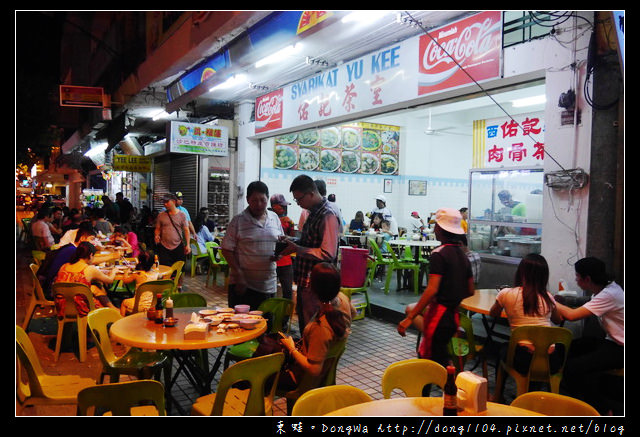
(398, 266)
(411, 376)
(40, 388)
(123, 399)
(37, 299)
(280, 309)
(378, 258)
(141, 364)
(162, 286)
(196, 255)
(254, 401)
(38, 256)
(326, 377)
(542, 337)
(216, 261)
(323, 400)
(465, 347)
(174, 274)
(553, 404)
(25, 233)
(69, 290)
(184, 300)
(359, 296)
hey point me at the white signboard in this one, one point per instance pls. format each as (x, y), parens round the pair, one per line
(202, 139)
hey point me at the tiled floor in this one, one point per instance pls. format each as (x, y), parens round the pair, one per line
(372, 346)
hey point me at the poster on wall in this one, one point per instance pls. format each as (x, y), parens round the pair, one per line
(357, 148)
(509, 141)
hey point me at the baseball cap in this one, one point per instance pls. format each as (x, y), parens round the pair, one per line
(278, 199)
(449, 219)
(415, 213)
(381, 198)
(168, 197)
(178, 194)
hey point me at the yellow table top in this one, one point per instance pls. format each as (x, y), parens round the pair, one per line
(421, 406)
(481, 301)
(137, 331)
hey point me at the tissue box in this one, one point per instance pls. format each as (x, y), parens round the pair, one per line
(195, 331)
(472, 392)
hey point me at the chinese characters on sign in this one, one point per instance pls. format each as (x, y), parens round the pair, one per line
(198, 138)
(139, 164)
(510, 142)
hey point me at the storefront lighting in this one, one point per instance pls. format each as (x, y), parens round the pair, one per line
(364, 16)
(234, 80)
(160, 115)
(100, 148)
(280, 55)
(529, 101)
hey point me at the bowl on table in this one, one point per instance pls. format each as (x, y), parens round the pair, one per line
(170, 322)
(241, 309)
(248, 323)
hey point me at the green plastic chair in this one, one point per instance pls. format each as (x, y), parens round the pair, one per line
(408, 256)
(141, 364)
(398, 266)
(542, 337)
(25, 233)
(463, 348)
(323, 400)
(37, 299)
(123, 399)
(378, 258)
(68, 290)
(185, 300)
(217, 262)
(254, 401)
(40, 388)
(553, 404)
(279, 308)
(196, 255)
(411, 376)
(326, 377)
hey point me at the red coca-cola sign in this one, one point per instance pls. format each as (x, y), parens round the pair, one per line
(474, 42)
(269, 111)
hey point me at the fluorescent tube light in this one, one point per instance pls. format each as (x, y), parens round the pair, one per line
(280, 55)
(100, 148)
(529, 101)
(234, 80)
(364, 16)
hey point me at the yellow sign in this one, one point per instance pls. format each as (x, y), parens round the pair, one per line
(139, 164)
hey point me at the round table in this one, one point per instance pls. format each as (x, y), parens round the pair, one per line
(417, 244)
(421, 406)
(137, 331)
(481, 303)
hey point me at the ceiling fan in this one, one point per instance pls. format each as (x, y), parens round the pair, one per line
(442, 131)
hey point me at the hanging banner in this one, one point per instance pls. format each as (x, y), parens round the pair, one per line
(509, 142)
(398, 73)
(202, 139)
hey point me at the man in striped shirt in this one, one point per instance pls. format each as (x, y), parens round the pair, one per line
(248, 247)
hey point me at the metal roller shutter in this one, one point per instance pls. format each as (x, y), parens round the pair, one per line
(184, 177)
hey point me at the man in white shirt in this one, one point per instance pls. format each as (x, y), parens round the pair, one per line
(40, 230)
(589, 357)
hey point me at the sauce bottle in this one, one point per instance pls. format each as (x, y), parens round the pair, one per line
(159, 311)
(168, 306)
(450, 394)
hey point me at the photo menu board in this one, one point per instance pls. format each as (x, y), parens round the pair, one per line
(357, 148)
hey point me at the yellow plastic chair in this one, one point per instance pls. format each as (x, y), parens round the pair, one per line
(411, 376)
(162, 286)
(196, 255)
(40, 388)
(464, 348)
(326, 377)
(38, 256)
(322, 400)
(123, 399)
(141, 364)
(280, 308)
(398, 266)
(37, 299)
(254, 401)
(553, 404)
(71, 315)
(542, 337)
(174, 274)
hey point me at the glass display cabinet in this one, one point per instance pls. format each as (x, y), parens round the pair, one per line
(505, 210)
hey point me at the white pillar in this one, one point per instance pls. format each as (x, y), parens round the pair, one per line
(247, 161)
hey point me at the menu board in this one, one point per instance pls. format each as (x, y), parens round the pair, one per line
(358, 148)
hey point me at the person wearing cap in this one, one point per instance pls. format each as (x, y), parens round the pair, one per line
(172, 233)
(249, 246)
(179, 202)
(284, 265)
(450, 281)
(416, 224)
(382, 209)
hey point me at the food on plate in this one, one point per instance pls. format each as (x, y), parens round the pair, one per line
(350, 162)
(388, 164)
(286, 139)
(329, 160)
(369, 163)
(308, 159)
(330, 137)
(285, 157)
(370, 140)
(350, 138)
(308, 137)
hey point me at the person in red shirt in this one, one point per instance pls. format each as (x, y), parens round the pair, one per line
(284, 265)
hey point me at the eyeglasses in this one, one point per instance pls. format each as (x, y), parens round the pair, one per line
(300, 198)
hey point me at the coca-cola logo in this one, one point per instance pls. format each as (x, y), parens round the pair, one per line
(269, 106)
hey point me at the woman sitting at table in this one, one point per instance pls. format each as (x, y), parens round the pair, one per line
(330, 324)
(143, 273)
(357, 224)
(385, 231)
(529, 303)
(80, 269)
(124, 238)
